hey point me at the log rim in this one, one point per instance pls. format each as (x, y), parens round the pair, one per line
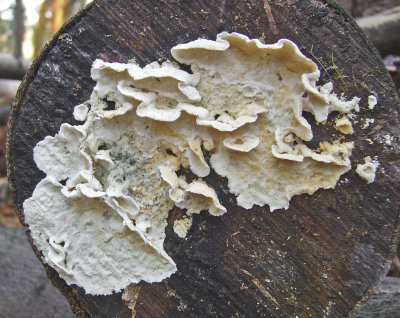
(77, 306)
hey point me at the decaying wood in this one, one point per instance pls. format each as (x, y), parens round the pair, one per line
(325, 255)
(383, 29)
(130, 297)
(384, 301)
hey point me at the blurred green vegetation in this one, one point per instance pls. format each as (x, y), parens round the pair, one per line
(6, 35)
(18, 35)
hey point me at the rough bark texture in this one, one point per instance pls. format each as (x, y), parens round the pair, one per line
(322, 256)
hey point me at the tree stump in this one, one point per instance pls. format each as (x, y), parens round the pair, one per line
(325, 255)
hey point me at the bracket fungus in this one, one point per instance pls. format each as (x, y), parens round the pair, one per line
(99, 215)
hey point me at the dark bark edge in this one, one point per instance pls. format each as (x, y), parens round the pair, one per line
(76, 305)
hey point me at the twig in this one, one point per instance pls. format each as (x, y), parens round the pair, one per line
(270, 17)
(260, 287)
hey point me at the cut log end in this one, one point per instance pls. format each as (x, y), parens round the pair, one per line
(322, 256)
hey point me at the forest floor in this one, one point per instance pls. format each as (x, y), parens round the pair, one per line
(25, 290)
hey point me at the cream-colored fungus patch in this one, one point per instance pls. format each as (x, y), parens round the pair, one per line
(367, 122)
(344, 125)
(367, 170)
(100, 214)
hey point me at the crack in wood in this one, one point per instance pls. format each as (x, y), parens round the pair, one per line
(260, 286)
(130, 297)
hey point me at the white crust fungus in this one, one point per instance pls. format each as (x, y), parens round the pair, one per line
(372, 101)
(367, 170)
(100, 214)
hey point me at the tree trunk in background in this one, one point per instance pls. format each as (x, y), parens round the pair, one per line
(355, 11)
(60, 11)
(383, 29)
(57, 17)
(69, 7)
(19, 18)
(12, 67)
(325, 255)
(41, 27)
(363, 8)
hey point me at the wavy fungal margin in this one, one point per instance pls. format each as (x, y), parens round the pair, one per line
(99, 215)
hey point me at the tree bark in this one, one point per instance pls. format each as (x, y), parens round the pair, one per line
(325, 255)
